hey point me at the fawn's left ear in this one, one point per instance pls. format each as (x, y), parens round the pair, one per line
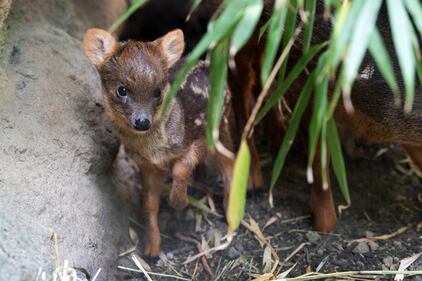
(98, 45)
(172, 45)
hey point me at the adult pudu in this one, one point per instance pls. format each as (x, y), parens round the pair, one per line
(135, 79)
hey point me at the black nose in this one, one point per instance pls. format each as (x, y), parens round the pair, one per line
(142, 124)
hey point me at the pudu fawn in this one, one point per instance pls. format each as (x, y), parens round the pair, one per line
(135, 79)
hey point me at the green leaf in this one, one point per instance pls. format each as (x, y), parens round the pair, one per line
(136, 4)
(218, 74)
(288, 33)
(310, 7)
(319, 113)
(344, 23)
(383, 61)
(400, 26)
(283, 86)
(195, 5)
(290, 135)
(219, 29)
(246, 25)
(363, 26)
(323, 143)
(415, 9)
(337, 159)
(263, 29)
(237, 199)
(273, 38)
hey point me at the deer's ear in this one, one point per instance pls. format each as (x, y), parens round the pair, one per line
(98, 44)
(172, 45)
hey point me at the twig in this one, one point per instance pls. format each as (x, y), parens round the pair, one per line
(248, 127)
(96, 274)
(209, 251)
(381, 237)
(204, 260)
(139, 265)
(315, 275)
(300, 247)
(152, 273)
(263, 241)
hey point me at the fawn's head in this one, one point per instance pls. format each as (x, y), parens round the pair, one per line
(134, 75)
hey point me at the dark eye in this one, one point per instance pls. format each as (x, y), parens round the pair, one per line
(122, 91)
(157, 93)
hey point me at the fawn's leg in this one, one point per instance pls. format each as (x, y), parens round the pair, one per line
(322, 204)
(415, 153)
(226, 167)
(152, 184)
(182, 171)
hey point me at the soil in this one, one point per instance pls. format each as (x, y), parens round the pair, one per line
(384, 200)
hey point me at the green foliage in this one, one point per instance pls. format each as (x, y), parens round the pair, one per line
(335, 66)
(237, 198)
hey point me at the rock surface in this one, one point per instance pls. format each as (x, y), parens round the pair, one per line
(55, 149)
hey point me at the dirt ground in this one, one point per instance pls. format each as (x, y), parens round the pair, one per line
(384, 200)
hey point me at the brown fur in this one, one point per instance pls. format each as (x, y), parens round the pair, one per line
(172, 145)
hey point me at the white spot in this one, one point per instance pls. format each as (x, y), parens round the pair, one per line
(199, 91)
(198, 122)
(367, 72)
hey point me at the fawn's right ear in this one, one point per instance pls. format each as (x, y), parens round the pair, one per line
(98, 44)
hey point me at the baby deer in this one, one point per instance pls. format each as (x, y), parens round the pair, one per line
(135, 79)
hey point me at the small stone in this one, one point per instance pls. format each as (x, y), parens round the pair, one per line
(361, 248)
(170, 255)
(190, 215)
(233, 253)
(388, 261)
(417, 278)
(320, 252)
(369, 234)
(313, 237)
(373, 245)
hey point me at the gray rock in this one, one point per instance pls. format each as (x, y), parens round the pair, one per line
(56, 154)
(4, 10)
(361, 248)
(373, 245)
(313, 237)
(388, 261)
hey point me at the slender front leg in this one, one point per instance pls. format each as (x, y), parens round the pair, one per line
(322, 204)
(226, 167)
(182, 170)
(152, 184)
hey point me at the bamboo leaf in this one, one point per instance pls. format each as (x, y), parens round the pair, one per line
(274, 36)
(318, 116)
(288, 33)
(283, 86)
(323, 142)
(363, 26)
(246, 25)
(219, 29)
(383, 61)
(337, 159)
(310, 7)
(415, 9)
(136, 4)
(343, 27)
(195, 5)
(218, 74)
(237, 199)
(294, 123)
(400, 26)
